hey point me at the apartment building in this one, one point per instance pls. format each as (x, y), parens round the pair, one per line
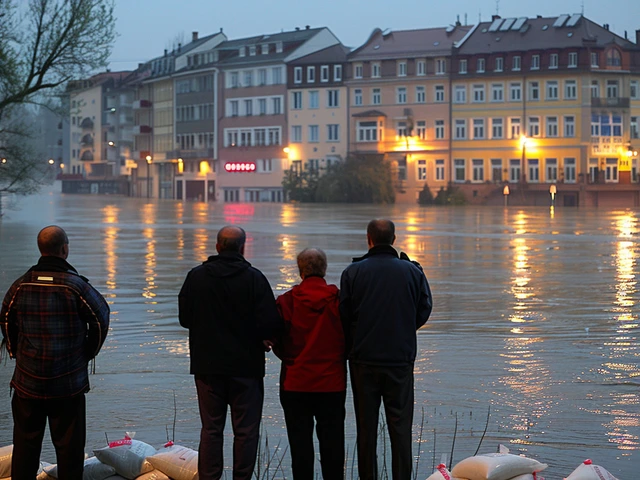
(317, 110)
(546, 105)
(399, 94)
(253, 124)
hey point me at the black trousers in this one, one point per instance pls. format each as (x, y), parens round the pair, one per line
(394, 387)
(328, 411)
(245, 397)
(67, 425)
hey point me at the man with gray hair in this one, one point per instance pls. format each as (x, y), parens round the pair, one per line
(230, 311)
(384, 300)
(313, 375)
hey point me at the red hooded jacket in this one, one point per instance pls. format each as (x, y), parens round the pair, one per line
(312, 348)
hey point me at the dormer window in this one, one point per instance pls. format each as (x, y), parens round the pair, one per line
(252, 50)
(265, 49)
(613, 58)
(242, 52)
(278, 47)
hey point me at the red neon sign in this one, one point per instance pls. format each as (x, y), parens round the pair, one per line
(240, 167)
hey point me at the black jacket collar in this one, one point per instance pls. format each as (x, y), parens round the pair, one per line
(378, 250)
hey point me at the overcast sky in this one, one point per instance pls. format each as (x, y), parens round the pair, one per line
(147, 27)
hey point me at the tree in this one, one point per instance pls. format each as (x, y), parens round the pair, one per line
(43, 45)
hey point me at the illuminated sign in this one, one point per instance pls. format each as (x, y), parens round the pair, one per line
(240, 167)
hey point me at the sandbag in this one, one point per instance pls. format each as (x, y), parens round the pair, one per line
(588, 471)
(94, 469)
(528, 476)
(496, 466)
(127, 457)
(179, 463)
(153, 475)
(441, 473)
(5, 461)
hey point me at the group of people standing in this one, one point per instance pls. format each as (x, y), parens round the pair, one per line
(314, 328)
(53, 322)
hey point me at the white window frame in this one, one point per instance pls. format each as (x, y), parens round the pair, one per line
(551, 90)
(499, 64)
(573, 60)
(333, 132)
(552, 129)
(569, 126)
(401, 95)
(553, 61)
(297, 75)
(462, 66)
(570, 90)
(376, 70)
(402, 68)
(441, 66)
(479, 131)
(324, 74)
(535, 62)
(478, 93)
(358, 70)
(481, 65)
(421, 94)
(439, 94)
(311, 74)
(337, 73)
(516, 63)
(314, 99)
(439, 129)
(497, 90)
(460, 129)
(357, 97)
(460, 94)
(296, 134)
(515, 92)
(421, 68)
(497, 128)
(314, 133)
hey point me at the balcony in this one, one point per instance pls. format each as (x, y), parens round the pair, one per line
(618, 102)
(140, 104)
(87, 140)
(86, 124)
(190, 154)
(141, 129)
(606, 146)
(87, 156)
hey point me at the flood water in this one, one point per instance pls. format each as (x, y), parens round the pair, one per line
(534, 326)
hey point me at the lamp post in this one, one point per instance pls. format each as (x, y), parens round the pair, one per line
(505, 192)
(523, 142)
(149, 161)
(552, 191)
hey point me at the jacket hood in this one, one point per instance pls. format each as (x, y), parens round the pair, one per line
(226, 264)
(314, 293)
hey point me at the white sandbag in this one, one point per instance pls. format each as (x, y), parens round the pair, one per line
(5, 461)
(496, 466)
(588, 471)
(94, 469)
(42, 471)
(441, 473)
(153, 475)
(528, 476)
(127, 457)
(179, 463)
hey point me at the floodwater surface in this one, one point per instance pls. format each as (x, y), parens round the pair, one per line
(533, 336)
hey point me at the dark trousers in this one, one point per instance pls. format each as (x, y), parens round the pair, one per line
(394, 386)
(328, 411)
(67, 425)
(245, 397)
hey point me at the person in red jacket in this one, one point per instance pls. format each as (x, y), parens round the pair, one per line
(313, 377)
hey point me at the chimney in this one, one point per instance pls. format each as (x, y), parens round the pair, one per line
(637, 37)
(606, 26)
(194, 36)
(625, 35)
(307, 27)
(179, 47)
(493, 17)
(165, 52)
(297, 29)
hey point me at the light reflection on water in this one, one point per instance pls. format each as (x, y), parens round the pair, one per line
(534, 316)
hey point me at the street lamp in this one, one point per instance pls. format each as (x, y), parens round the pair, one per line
(523, 142)
(505, 192)
(149, 161)
(552, 191)
(51, 161)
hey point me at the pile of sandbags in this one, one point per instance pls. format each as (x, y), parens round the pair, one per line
(498, 466)
(589, 471)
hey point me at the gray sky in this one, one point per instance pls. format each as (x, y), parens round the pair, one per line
(147, 27)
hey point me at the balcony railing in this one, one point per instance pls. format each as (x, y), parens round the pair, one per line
(140, 104)
(617, 102)
(606, 145)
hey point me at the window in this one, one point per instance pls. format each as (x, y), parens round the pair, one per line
(570, 90)
(296, 134)
(514, 170)
(264, 49)
(515, 92)
(324, 73)
(499, 64)
(496, 128)
(569, 126)
(248, 107)
(376, 97)
(478, 93)
(357, 97)
(402, 68)
(462, 64)
(273, 136)
(439, 93)
(553, 60)
(497, 92)
(357, 70)
(460, 129)
(422, 170)
(439, 129)
(297, 75)
(248, 78)
(401, 130)
(478, 170)
(534, 126)
(242, 51)
(276, 75)
(421, 68)
(496, 170)
(234, 108)
(633, 90)
(421, 129)
(333, 98)
(296, 100)
(262, 106)
(458, 167)
(595, 89)
(368, 131)
(633, 125)
(613, 58)
(262, 76)
(552, 126)
(278, 47)
(314, 99)
(612, 88)
(421, 96)
(460, 94)
(594, 60)
(440, 170)
(235, 80)
(552, 89)
(535, 62)
(441, 66)
(401, 95)
(534, 170)
(480, 65)
(534, 91)
(515, 127)
(333, 133)
(375, 70)
(261, 136)
(277, 105)
(516, 63)
(337, 73)
(311, 74)
(313, 133)
(552, 170)
(573, 60)
(606, 125)
(570, 170)
(478, 128)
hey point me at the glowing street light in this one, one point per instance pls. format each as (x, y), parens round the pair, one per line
(51, 161)
(552, 191)
(149, 160)
(4, 160)
(505, 192)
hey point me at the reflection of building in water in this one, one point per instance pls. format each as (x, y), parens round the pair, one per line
(110, 213)
(201, 244)
(150, 266)
(289, 274)
(623, 345)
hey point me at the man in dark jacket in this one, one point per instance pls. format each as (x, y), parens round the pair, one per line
(384, 300)
(53, 323)
(230, 311)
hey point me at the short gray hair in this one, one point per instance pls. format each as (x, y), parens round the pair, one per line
(312, 262)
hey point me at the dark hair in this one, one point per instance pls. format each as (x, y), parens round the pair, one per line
(231, 238)
(381, 231)
(312, 262)
(51, 241)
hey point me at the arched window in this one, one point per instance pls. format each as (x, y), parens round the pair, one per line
(613, 58)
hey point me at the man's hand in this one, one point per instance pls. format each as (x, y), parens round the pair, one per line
(268, 345)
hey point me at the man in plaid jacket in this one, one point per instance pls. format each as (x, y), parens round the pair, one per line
(53, 324)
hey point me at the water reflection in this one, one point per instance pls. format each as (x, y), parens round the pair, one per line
(288, 250)
(148, 291)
